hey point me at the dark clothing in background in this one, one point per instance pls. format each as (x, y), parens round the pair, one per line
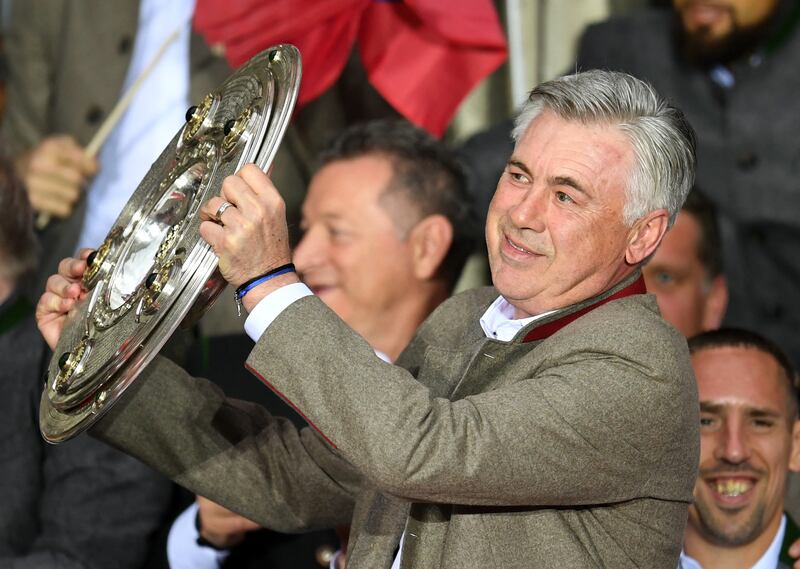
(77, 505)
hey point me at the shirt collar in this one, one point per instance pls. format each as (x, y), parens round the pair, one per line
(498, 320)
(767, 561)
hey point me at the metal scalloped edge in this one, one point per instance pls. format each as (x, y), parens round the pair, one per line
(57, 426)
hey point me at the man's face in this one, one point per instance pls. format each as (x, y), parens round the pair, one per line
(747, 445)
(688, 298)
(554, 232)
(351, 254)
(709, 24)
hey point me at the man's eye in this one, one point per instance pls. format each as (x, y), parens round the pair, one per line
(664, 278)
(564, 198)
(762, 423)
(518, 177)
(707, 421)
(339, 234)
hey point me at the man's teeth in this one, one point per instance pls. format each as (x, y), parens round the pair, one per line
(517, 247)
(733, 488)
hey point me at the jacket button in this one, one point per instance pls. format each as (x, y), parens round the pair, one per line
(94, 115)
(746, 160)
(125, 45)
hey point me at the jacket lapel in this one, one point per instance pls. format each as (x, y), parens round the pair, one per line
(492, 362)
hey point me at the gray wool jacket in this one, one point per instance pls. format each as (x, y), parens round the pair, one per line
(573, 445)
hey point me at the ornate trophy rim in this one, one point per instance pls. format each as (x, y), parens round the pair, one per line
(153, 270)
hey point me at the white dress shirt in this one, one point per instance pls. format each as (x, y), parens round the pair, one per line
(155, 114)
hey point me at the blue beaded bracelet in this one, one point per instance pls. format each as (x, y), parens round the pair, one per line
(245, 287)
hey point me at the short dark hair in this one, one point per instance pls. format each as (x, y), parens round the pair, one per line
(739, 338)
(18, 244)
(709, 249)
(425, 172)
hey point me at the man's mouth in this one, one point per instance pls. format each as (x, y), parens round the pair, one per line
(517, 247)
(732, 487)
(731, 491)
(514, 247)
(704, 13)
(319, 289)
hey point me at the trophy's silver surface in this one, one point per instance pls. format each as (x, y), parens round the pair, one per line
(154, 270)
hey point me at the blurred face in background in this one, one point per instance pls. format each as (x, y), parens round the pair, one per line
(688, 296)
(352, 254)
(719, 30)
(748, 443)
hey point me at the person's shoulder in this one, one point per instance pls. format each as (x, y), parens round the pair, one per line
(618, 42)
(632, 329)
(631, 316)
(457, 315)
(633, 23)
(472, 301)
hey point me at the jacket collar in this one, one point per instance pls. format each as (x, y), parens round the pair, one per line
(546, 327)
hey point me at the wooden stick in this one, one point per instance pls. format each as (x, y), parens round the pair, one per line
(43, 219)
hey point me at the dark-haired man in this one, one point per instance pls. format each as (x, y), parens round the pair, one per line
(731, 66)
(749, 441)
(685, 274)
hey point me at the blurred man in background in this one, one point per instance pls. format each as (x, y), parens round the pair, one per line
(749, 442)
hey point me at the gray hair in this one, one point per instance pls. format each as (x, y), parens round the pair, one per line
(662, 139)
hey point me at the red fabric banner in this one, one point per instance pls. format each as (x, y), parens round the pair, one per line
(422, 56)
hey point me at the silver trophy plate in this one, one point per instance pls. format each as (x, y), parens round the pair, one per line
(153, 271)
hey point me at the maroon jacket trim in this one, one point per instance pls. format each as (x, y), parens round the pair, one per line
(288, 402)
(547, 330)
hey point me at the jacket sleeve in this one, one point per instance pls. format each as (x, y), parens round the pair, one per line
(30, 46)
(232, 452)
(590, 427)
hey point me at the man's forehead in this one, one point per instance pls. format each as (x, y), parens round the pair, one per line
(738, 377)
(344, 184)
(573, 149)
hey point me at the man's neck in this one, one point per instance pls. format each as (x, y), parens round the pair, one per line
(393, 331)
(714, 556)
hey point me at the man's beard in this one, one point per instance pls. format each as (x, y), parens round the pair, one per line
(715, 523)
(700, 49)
(720, 533)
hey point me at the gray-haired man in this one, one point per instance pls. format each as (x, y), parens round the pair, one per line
(548, 422)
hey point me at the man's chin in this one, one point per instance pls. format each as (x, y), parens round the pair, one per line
(730, 522)
(707, 47)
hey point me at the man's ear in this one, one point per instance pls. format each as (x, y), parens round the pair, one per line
(430, 240)
(794, 459)
(645, 236)
(715, 304)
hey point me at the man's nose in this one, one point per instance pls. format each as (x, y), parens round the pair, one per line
(732, 443)
(531, 211)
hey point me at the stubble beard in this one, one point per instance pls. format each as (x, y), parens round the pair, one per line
(701, 49)
(716, 529)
